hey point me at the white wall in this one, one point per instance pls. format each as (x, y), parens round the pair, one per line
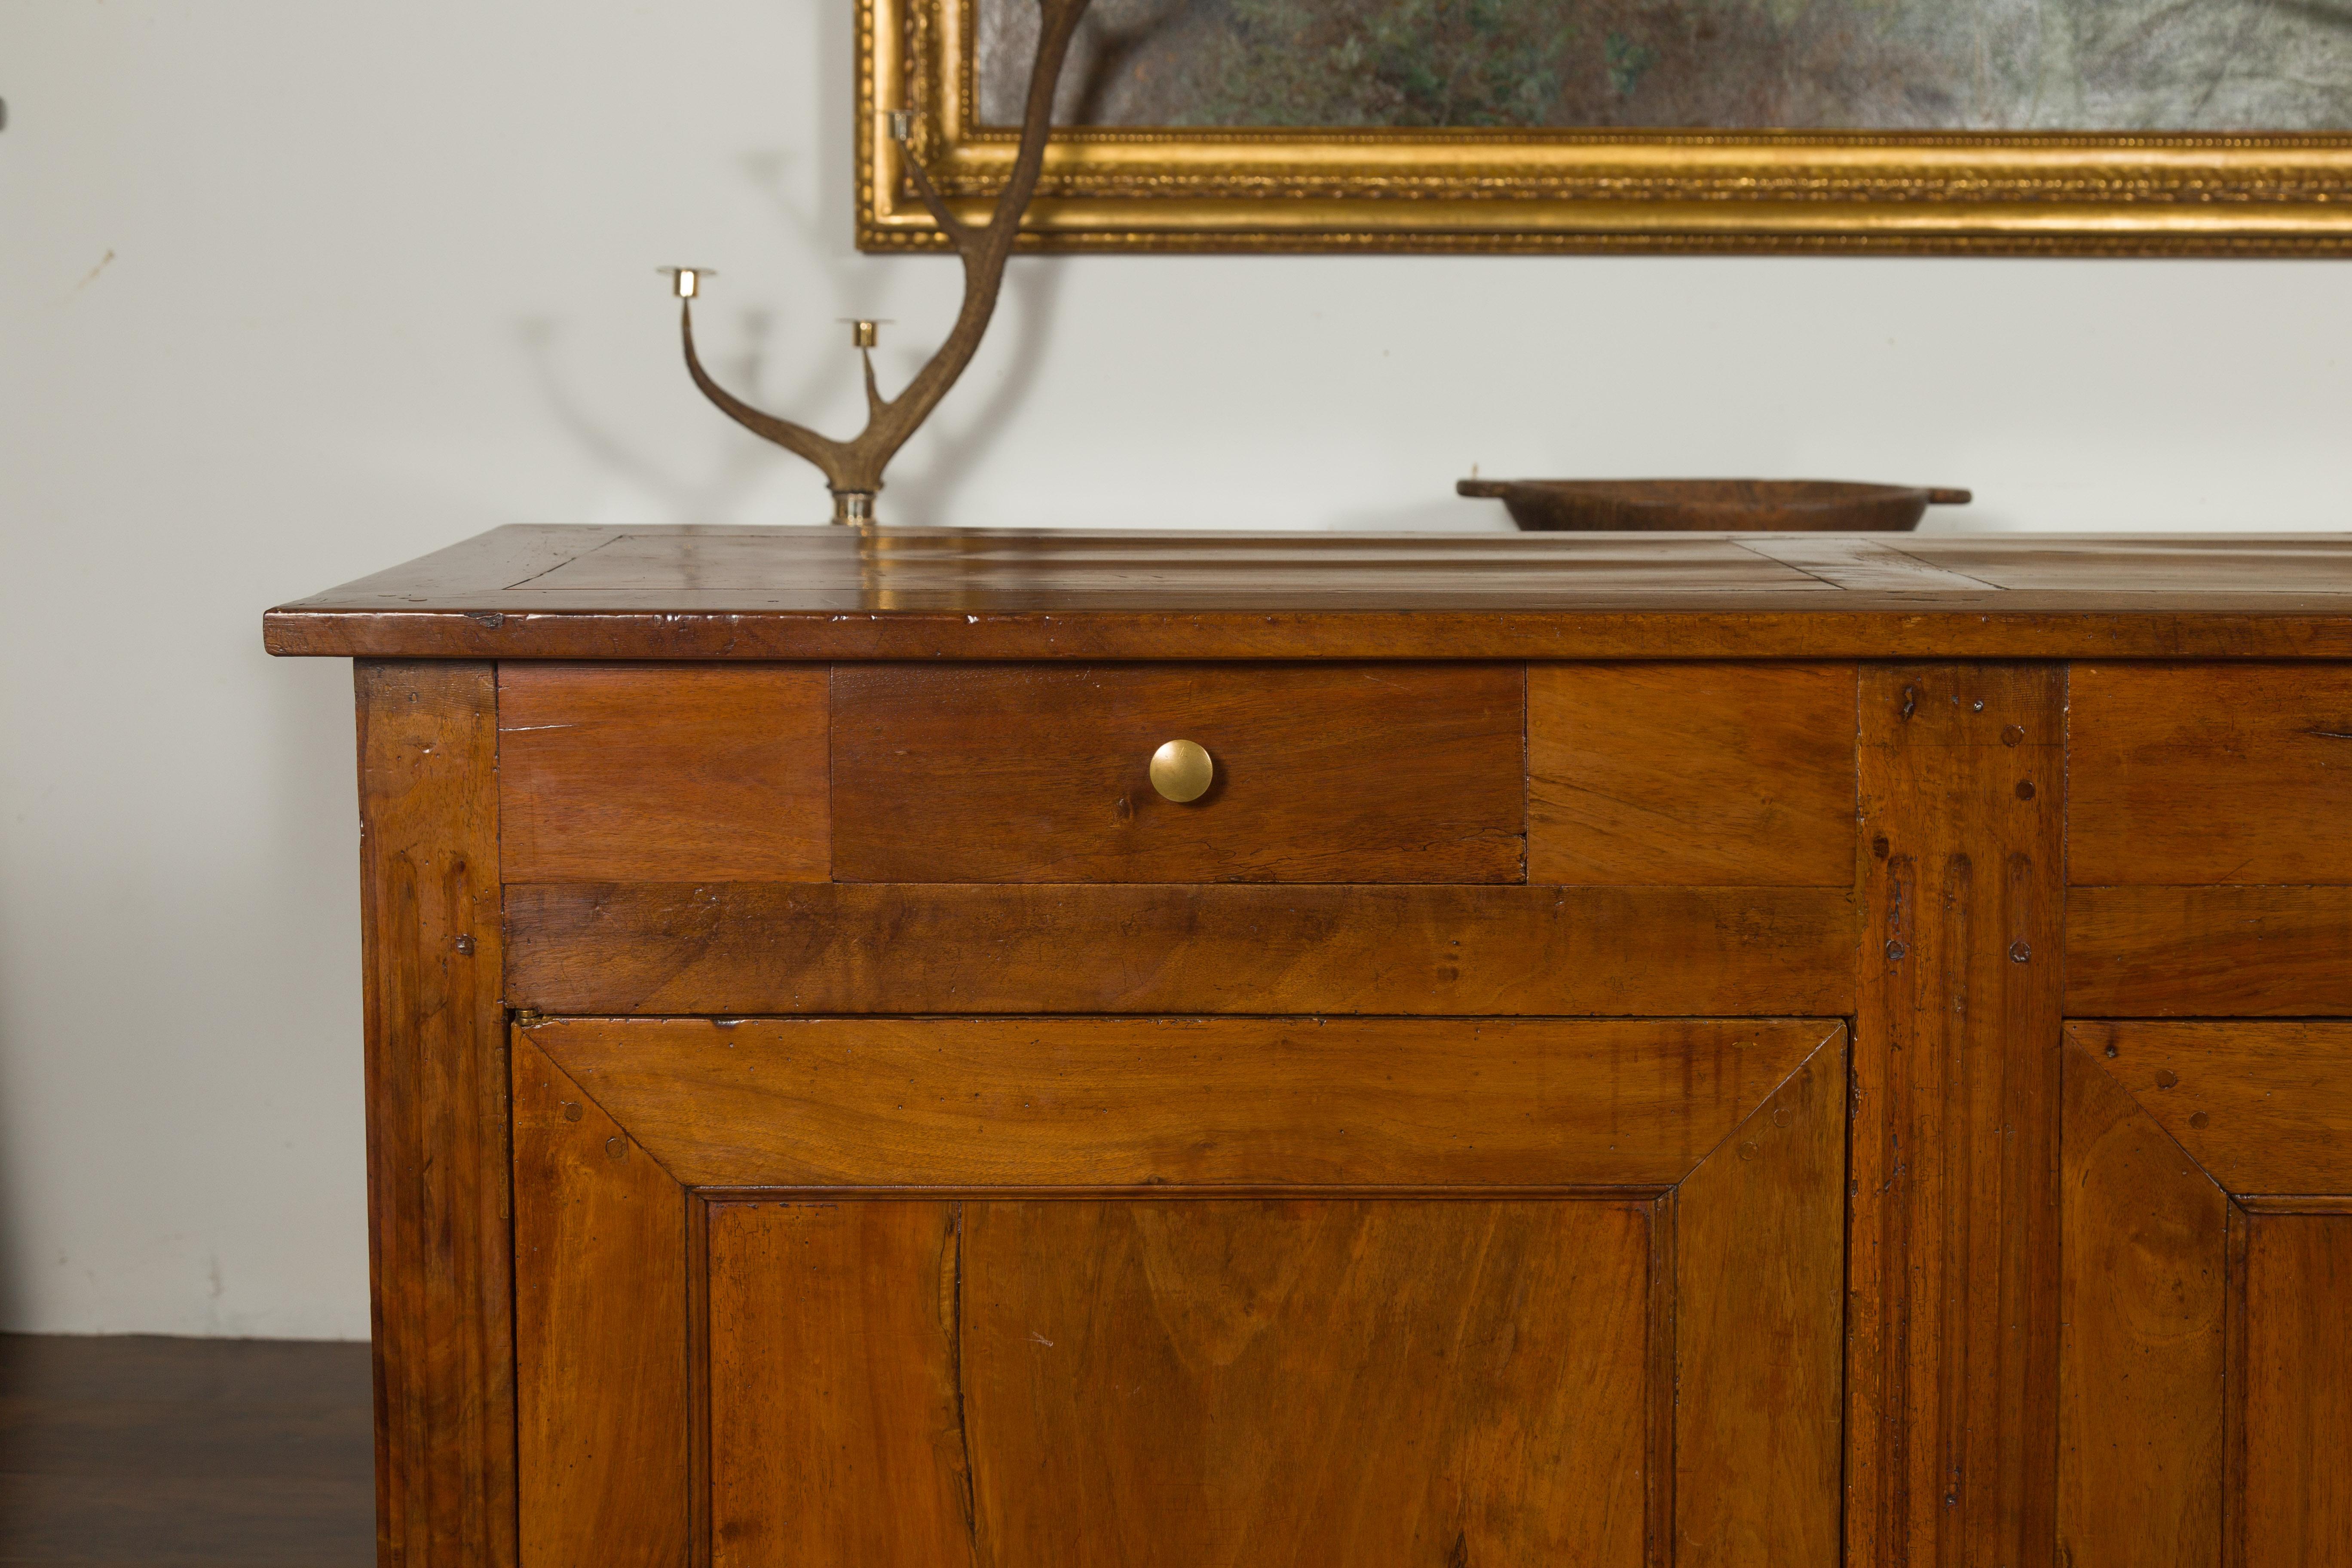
(291, 292)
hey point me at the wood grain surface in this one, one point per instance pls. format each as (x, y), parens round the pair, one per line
(1040, 774)
(1448, 1341)
(1120, 1102)
(2208, 1349)
(975, 594)
(1631, 1371)
(1759, 1265)
(440, 1259)
(2145, 1298)
(2296, 1505)
(2262, 1108)
(748, 948)
(601, 1345)
(2206, 773)
(837, 1386)
(621, 772)
(1953, 1328)
(2143, 951)
(1691, 774)
(865, 1349)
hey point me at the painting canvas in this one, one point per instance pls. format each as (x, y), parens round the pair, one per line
(2208, 127)
(1861, 65)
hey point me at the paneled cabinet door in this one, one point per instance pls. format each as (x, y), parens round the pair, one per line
(2206, 1369)
(907, 1293)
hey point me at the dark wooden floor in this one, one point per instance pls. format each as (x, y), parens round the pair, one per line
(184, 1453)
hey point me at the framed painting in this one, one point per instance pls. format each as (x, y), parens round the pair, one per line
(2211, 127)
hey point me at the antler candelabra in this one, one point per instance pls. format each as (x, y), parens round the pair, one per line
(853, 468)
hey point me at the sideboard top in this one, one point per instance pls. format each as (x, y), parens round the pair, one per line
(562, 592)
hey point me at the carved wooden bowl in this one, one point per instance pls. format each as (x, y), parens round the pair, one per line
(1710, 506)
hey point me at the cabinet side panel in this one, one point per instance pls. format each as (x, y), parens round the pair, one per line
(600, 1332)
(1953, 1276)
(439, 1252)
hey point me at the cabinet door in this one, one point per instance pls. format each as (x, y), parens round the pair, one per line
(2206, 1368)
(913, 1292)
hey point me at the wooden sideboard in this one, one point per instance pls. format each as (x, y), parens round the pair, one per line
(1650, 1050)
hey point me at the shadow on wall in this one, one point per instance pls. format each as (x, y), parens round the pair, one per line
(926, 495)
(944, 455)
(707, 497)
(949, 449)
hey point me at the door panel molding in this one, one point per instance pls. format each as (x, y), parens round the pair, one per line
(2206, 1383)
(1734, 1293)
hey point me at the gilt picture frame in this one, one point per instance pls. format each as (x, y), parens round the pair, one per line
(1500, 187)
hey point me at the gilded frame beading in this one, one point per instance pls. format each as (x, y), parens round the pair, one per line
(2152, 195)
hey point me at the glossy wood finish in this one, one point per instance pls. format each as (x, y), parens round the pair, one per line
(2159, 951)
(705, 592)
(1216, 1323)
(2140, 1361)
(2145, 1305)
(2207, 1363)
(600, 1273)
(1640, 1368)
(620, 772)
(2264, 1108)
(776, 948)
(838, 1427)
(1691, 774)
(2295, 1506)
(1760, 1395)
(440, 1258)
(2198, 774)
(1952, 1315)
(1019, 1102)
(1325, 772)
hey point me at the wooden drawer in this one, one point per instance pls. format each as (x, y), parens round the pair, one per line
(1325, 772)
(662, 772)
(1100, 1292)
(2210, 774)
(1706, 775)
(2209, 840)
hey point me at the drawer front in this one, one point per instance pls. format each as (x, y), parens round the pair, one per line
(1700, 775)
(1100, 1291)
(662, 772)
(2209, 840)
(1325, 772)
(2212, 773)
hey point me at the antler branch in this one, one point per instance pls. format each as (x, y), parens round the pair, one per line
(854, 468)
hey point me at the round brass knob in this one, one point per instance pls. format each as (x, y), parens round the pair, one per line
(1183, 771)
